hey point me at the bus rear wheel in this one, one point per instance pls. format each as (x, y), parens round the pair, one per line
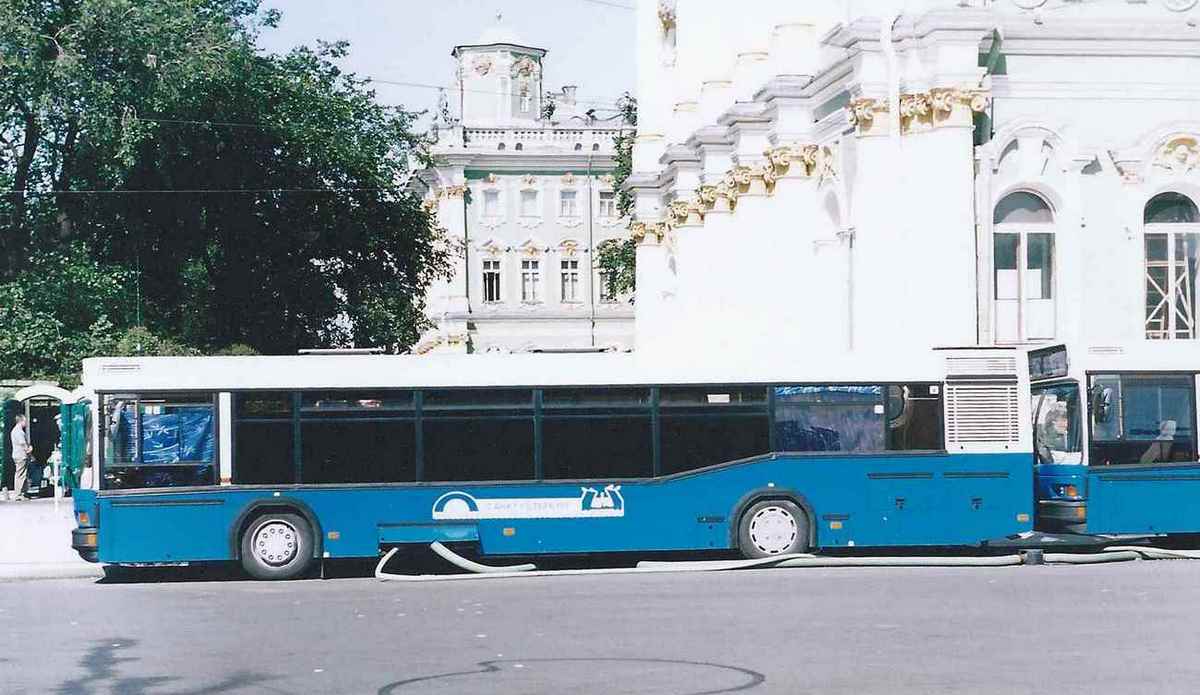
(277, 546)
(772, 527)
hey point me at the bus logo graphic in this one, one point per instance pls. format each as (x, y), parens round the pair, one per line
(591, 503)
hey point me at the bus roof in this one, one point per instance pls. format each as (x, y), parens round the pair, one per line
(1145, 356)
(110, 374)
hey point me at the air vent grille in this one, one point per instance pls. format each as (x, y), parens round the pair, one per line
(1000, 365)
(982, 414)
(121, 367)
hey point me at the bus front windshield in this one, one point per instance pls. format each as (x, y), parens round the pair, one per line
(1056, 430)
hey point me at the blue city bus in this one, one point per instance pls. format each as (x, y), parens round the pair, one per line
(1115, 439)
(278, 462)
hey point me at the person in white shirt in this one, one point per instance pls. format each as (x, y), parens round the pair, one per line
(21, 451)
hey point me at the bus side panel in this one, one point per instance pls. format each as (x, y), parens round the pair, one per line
(942, 499)
(863, 501)
(163, 528)
(1143, 499)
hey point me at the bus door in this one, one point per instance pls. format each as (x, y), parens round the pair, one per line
(1059, 473)
(1143, 472)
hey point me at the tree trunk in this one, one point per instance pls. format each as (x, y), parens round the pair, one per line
(66, 207)
(19, 238)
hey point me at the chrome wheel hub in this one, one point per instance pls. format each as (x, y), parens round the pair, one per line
(276, 543)
(773, 530)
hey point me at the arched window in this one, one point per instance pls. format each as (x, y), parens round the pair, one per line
(1023, 208)
(1023, 268)
(1171, 208)
(1172, 243)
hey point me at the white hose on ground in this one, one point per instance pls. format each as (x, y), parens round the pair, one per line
(480, 571)
(1159, 553)
(998, 561)
(717, 565)
(471, 566)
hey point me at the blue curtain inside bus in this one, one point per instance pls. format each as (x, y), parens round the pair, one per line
(184, 434)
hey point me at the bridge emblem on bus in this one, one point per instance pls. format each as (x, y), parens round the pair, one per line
(608, 498)
(592, 502)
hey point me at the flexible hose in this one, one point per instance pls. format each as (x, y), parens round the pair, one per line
(999, 561)
(480, 571)
(471, 566)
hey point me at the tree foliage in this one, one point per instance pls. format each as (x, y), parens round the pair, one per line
(58, 309)
(239, 197)
(618, 257)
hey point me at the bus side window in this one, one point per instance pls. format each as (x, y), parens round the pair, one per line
(914, 417)
(596, 433)
(159, 441)
(709, 425)
(263, 437)
(478, 434)
(357, 437)
(1150, 419)
(829, 418)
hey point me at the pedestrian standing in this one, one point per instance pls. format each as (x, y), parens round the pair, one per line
(21, 453)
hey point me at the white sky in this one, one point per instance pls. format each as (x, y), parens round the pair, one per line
(590, 42)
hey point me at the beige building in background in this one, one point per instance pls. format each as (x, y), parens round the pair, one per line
(522, 184)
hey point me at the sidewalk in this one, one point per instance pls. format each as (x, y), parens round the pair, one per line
(35, 542)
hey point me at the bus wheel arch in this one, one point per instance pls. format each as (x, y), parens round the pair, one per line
(754, 498)
(277, 505)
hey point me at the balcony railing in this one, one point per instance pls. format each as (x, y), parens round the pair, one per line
(562, 139)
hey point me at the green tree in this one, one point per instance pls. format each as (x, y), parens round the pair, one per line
(617, 258)
(59, 309)
(253, 199)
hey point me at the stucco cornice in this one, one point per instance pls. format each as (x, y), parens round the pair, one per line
(523, 162)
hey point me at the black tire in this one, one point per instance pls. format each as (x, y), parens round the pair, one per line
(284, 546)
(772, 527)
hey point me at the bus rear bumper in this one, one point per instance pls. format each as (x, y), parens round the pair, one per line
(1062, 516)
(83, 540)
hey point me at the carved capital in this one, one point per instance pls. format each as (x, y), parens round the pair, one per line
(706, 197)
(944, 100)
(862, 112)
(919, 110)
(797, 160)
(649, 233)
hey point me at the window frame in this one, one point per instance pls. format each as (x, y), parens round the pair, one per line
(102, 436)
(1088, 418)
(606, 207)
(495, 273)
(1173, 232)
(1023, 231)
(572, 195)
(531, 281)
(569, 277)
(537, 411)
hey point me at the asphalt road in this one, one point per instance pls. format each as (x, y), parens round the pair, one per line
(1127, 628)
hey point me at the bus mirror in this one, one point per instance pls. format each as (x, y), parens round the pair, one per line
(1102, 403)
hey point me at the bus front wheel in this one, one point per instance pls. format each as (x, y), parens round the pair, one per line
(773, 527)
(277, 546)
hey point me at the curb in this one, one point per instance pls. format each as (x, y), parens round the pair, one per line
(14, 571)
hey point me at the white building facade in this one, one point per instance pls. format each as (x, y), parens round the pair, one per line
(834, 175)
(524, 192)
